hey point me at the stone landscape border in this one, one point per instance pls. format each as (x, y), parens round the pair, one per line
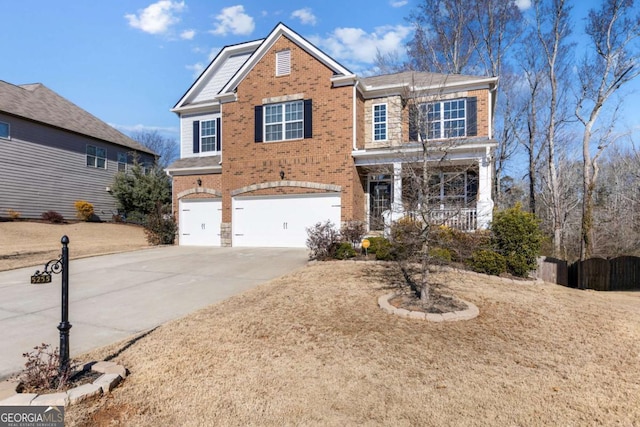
(112, 375)
(470, 313)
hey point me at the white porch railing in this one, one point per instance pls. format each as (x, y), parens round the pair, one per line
(463, 219)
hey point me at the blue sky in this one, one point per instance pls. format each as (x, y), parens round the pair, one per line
(129, 62)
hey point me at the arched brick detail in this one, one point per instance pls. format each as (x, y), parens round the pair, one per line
(275, 184)
(199, 190)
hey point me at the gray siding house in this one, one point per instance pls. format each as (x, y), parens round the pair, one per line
(53, 153)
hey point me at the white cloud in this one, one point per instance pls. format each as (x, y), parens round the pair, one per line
(188, 34)
(354, 45)
(233, 20)
(523, 4)
(305, 16)
(399, 3)
(158, 17)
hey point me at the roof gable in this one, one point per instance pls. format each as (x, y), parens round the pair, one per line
(38, 103)
(279, 31)
(219, 71)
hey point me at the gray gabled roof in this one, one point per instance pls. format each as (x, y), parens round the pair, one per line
(38, 103)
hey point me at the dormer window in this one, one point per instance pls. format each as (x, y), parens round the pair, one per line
(283, 63)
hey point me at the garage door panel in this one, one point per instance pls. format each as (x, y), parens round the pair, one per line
(200, 222)
(281, 221)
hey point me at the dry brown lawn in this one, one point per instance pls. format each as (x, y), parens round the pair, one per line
(313, 348)
(25, 243)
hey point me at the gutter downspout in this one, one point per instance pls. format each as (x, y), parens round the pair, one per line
(355, 118)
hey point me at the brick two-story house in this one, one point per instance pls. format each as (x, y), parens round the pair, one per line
(277, 136)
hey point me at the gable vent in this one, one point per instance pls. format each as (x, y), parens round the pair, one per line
(283, 63)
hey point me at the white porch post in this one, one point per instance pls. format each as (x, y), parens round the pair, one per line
(396, 201)
(397, 188)
(484, 207)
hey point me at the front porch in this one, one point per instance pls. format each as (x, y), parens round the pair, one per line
(454, 192)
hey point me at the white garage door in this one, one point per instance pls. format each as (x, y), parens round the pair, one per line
(200, 222)
(281, 221)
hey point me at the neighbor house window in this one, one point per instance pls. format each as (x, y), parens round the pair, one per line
(4, 130)
(208, 136)
(445, 119)
(283, 63)
(284, 121)
(122, 162)
(380, 122)
(96, 157)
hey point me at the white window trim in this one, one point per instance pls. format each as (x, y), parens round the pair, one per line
(386, 122)
(216, 145)
(442, 120)
(283, 122)
(8, 131)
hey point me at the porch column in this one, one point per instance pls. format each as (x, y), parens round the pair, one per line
(396, 205)
(484, 206)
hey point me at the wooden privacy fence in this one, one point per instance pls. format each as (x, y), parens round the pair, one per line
(617, 274)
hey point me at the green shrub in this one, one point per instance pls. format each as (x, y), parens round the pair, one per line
(488, 262)
(381, 247)
(84, 210)
(517, 236)
(406, 237)
(53, 217)
(345, 251)
(440, 254)
(461, 245)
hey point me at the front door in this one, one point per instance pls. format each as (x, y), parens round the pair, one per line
(379, 200)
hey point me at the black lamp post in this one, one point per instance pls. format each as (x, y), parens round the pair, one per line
(57, 266)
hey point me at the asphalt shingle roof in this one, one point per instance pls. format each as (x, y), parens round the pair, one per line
(39, 103)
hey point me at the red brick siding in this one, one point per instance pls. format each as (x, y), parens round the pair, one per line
(325, 158)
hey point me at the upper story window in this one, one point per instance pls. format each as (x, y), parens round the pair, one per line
(380, 122)
(122, 162)
(284, 121)
(283, 63)
(4, 130)
(96, 157)
(446, 119)
(206, 136)
(454, 118)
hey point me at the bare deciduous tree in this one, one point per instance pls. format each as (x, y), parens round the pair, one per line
(611, 63)
(166, 148)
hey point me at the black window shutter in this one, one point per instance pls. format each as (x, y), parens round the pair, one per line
(308, 119)
(218, 134)
(472, 116)
(258, 123)
(196, 136)
(413, 122)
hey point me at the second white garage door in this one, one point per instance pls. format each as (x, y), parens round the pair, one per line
(200, 222)
(281, 221)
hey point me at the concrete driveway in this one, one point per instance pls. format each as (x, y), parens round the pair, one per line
(112, 297)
